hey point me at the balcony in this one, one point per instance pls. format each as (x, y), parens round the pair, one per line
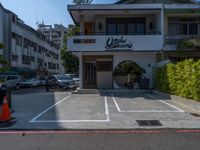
(171, 42)
(102, 42)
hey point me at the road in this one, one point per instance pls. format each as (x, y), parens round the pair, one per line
(35, 90)
(29, 91)
(101, 141)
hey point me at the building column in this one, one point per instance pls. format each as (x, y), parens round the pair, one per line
(81, 71)
(82, 24)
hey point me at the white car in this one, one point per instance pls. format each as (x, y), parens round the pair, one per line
(9, 82)
(30, 83)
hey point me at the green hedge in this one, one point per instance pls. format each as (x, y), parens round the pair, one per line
(182, 79)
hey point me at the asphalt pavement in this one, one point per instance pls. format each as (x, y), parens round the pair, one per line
(101, 141)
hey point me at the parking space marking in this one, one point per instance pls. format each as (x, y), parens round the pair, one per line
(116, 104)
(147, 111)
(179, 110)
(34, 120)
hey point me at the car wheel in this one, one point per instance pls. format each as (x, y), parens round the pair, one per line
(3, 87)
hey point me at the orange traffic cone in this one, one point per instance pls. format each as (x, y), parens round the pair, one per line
(5, 115)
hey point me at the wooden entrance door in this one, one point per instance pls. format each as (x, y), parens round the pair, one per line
(90, 77)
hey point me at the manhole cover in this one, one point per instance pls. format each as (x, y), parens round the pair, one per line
(149, 123)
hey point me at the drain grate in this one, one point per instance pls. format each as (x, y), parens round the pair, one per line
(149, 123)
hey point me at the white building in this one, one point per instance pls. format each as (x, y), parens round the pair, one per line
(56, 34)
(117, 38)
(27, 51)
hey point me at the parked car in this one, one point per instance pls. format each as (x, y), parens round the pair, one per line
(60, 82)
(75, 78)
(42, 80)
(32, 82)
(9, 82)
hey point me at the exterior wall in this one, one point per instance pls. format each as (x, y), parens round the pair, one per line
(152, 42)
(51, 33)
(146, 60)
(30, 51)
(145, 48)
(104, 80)
(11, 25)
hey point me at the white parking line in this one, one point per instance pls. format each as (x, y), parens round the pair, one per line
(179, 110)
(38, 116)
(116, 104)
(107, 110)
(34, 120)
(146, 111)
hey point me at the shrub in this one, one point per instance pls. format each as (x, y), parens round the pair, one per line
(182, 78)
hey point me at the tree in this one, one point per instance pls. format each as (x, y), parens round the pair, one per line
(1, 45)
(3, 62)
(70, 61)
(78, 2)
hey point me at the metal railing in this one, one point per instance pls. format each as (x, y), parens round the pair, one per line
(177, 39)
(118, 33)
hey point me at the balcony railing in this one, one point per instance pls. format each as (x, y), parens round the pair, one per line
(119, 33)
(177, 39)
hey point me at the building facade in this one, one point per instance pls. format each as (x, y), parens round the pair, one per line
(56, 34)
(28, 52)
(120, 45)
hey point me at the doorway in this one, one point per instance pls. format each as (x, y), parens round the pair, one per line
(89, 78)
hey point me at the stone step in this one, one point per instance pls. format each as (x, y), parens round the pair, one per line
(86, 91)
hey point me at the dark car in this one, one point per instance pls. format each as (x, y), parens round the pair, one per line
(60, 82)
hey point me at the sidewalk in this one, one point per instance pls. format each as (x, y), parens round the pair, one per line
(189, 105)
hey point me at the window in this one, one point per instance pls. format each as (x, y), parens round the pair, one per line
(125, 26)
(131, 29)
(140, 28)
(183, 29)
(121, 29)
(111, 29)
(182, 26)
(193, 29)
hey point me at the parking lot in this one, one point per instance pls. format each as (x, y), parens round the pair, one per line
(108, 110)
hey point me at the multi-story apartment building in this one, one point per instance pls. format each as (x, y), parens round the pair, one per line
(56, 34)
(120, 44)
(27, 51)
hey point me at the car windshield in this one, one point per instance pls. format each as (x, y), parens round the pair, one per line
(29, 80)
(73, 76)
(63, 77)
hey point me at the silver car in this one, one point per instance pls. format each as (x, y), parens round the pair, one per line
(9, 82)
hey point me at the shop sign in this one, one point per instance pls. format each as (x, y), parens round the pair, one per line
(118, 43)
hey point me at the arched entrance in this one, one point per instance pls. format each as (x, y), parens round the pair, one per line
(126, 73)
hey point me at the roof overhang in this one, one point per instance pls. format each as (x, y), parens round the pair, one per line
(110, 9)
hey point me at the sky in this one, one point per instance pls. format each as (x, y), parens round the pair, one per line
(49, 11)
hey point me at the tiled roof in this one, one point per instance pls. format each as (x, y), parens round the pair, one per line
(132, 1)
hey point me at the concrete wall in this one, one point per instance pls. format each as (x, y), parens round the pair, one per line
(104, 80)
(142, 59)
(139, 43)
